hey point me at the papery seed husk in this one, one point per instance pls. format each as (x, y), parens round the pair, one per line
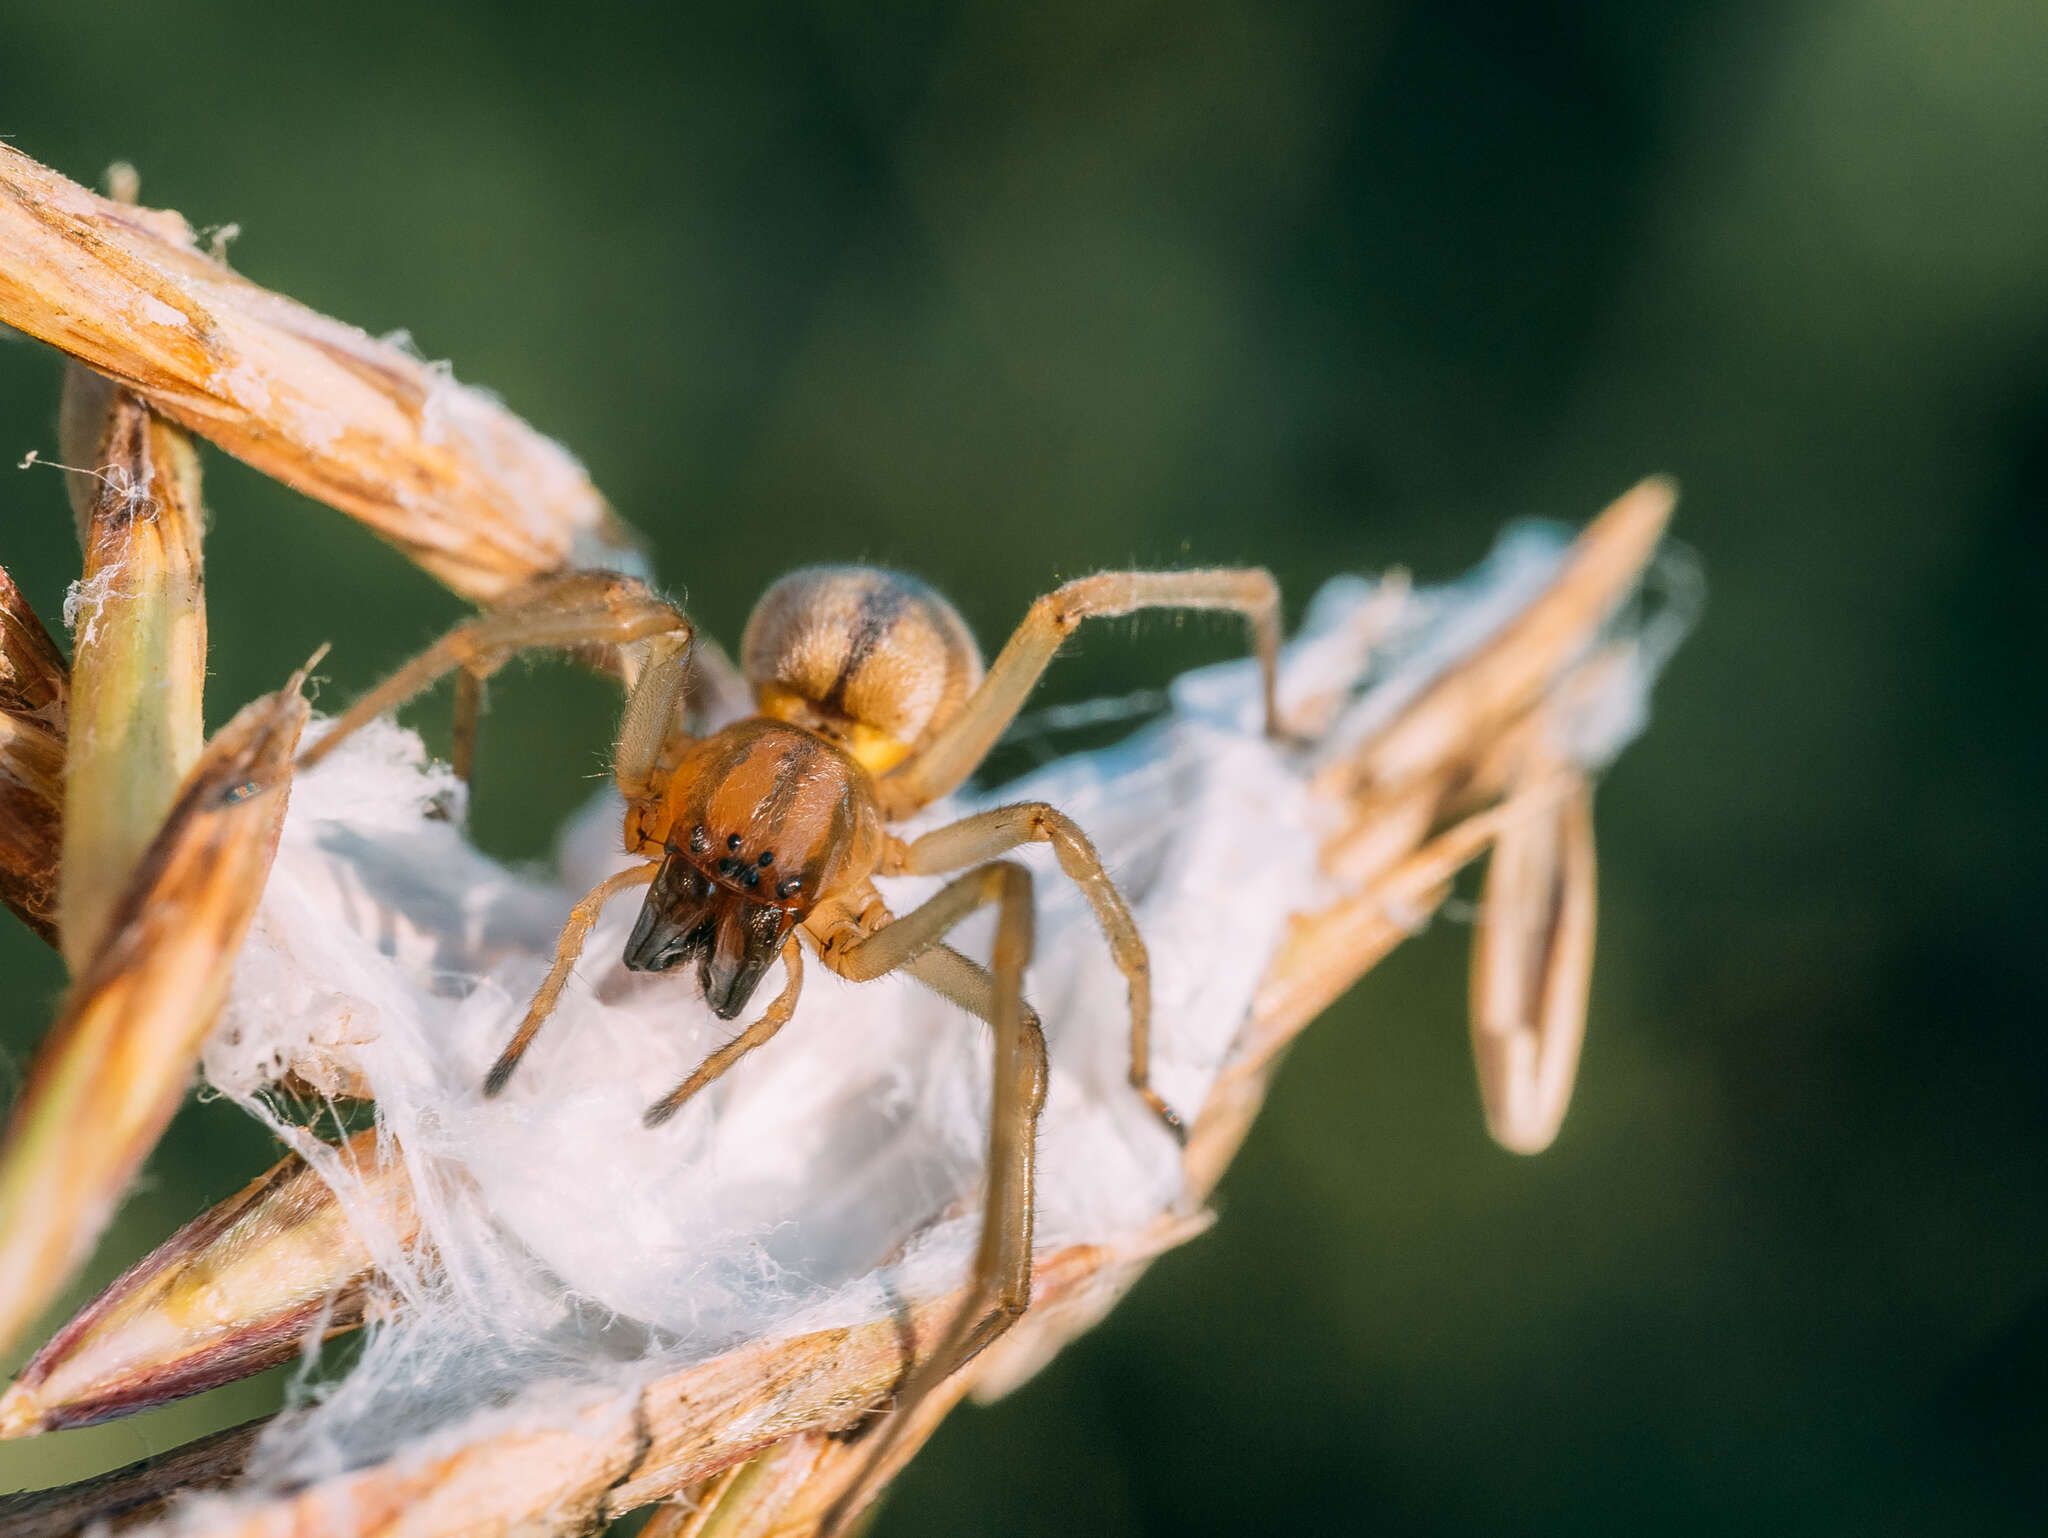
(111, 1072)
(1532, 969)
(138, 672)
(1507, 674)
(232, 1293)
(461, 485)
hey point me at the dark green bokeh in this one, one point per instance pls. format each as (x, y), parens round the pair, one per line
(1003, 295)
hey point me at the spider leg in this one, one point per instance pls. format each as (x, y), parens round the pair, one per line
(990, 833)
(1532, 967)
(567, 949)
(999, 1289)
(565, 610)
(773, 1019)
(469, 709)
(952, 754)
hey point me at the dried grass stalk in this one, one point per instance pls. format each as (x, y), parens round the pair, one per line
(752, 1442)
(460, 484)
(109, 1075)
(1512, 671)
(34, 715)
(138, 669)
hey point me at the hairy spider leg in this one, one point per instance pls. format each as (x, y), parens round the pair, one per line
(773, 1019)
(564, 610)
(567, 949)
(988, 834)
(999, 1289)
(943, 764)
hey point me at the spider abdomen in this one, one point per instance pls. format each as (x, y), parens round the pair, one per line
(873, 659)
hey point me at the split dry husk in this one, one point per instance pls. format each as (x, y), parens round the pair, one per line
(104, 1083)
(444, 472)
(232, 1293)
(752, 1440)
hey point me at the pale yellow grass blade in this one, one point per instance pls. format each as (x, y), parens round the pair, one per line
(138, 669)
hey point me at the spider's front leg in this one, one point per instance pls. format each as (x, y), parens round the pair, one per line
(773, 1019)
(999, 1289)
(568, 948)
(568, 609)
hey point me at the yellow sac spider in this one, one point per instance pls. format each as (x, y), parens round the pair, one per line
(871, 702)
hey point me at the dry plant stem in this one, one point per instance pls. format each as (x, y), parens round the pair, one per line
(112, 1070)
(618, 1453)
(232, 1293)
(461, 485)
(34, 717)
(139, 667)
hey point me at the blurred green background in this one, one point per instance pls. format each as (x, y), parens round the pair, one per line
(1005, 294)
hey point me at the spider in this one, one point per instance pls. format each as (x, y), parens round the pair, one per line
(871, 702)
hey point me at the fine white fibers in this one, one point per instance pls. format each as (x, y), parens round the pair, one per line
(832, 1170)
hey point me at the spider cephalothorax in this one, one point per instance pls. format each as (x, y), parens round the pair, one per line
(759, 822)
(870, 702)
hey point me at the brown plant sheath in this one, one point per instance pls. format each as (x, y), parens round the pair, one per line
(34, 713)
(114, 1066)
(460, 484)
(129, 1494)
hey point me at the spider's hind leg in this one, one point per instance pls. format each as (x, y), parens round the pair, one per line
(999, 1289)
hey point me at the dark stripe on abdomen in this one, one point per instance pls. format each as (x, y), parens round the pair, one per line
(880, 607)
